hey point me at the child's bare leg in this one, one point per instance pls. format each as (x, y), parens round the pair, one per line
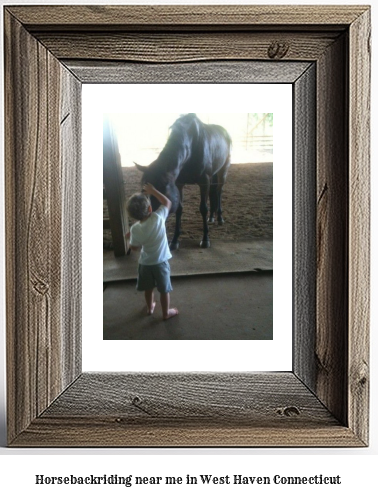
(149, 296)
(165, 302)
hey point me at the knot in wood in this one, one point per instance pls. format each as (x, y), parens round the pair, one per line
(363, 381)
(136, 400)
(288, 411)
(278, 50)
(41, 287)
(361, 376)
(140, 404)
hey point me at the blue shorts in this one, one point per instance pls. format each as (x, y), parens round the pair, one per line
(158, 275)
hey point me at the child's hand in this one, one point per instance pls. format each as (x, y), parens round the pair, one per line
(148, 188)
(127, 235)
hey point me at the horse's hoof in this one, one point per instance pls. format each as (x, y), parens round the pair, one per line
(205, 244)
(211, 220)
(174, 246)
(220, 222)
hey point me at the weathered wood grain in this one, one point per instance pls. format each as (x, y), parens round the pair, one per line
(199, 72)
(193, 409)
(241, 397)
(71, 192)
(95, 432)
(34, 241)
(332, 229)
(185, 16)
(29, 277)
(180, 47)
(359, 226)
(304, 227)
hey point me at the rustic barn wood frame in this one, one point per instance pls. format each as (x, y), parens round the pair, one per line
(49, 52)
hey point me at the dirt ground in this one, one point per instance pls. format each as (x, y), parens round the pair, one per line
(247, 205)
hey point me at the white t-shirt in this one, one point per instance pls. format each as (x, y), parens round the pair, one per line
(151, 235)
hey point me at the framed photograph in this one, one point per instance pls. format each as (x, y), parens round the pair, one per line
(323, 52)
(225, 291)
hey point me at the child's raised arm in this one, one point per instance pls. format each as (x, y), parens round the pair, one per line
(149, 189)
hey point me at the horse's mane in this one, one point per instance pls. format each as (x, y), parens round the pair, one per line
(185, 131)
(185, 123)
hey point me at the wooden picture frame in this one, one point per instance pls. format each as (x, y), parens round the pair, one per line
(49, 52)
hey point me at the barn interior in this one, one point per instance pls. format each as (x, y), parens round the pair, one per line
(222, 292)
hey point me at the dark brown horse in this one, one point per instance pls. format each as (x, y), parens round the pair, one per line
(195, 153)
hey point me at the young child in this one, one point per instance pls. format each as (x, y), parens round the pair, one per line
(149, 236)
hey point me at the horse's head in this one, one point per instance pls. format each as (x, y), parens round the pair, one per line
(163, 182)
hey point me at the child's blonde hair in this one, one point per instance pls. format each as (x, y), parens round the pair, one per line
(138, 206)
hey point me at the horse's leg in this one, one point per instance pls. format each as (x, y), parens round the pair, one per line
(219, 197)
(221, 180)
(204, 188)
(213, 199)
(175, 243)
